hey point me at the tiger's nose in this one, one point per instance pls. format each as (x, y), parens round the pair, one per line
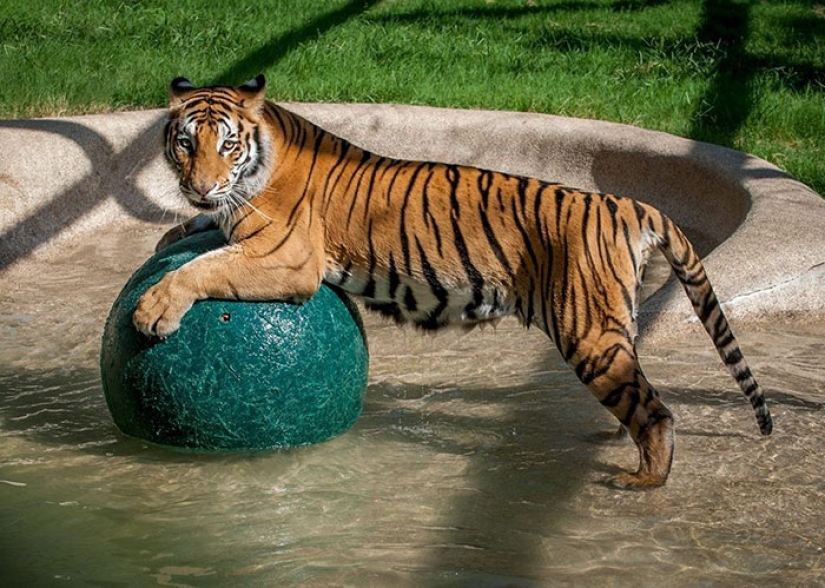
(204, 189)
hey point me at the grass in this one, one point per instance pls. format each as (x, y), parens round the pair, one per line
(748, 74)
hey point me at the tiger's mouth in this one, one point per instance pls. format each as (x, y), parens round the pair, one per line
(207, 205)
(211, 202)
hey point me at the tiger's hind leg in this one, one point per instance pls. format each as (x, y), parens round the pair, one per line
(611, 371)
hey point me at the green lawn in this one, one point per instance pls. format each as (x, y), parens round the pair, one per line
(749, 74)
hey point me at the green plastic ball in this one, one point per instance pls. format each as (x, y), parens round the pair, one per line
(237, 375)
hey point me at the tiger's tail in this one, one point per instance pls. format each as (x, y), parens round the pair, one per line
(691, 273)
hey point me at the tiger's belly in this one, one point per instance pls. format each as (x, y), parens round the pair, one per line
(430, 303)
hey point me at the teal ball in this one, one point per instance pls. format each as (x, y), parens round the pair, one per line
(237, 375)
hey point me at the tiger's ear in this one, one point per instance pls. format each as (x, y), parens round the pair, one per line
(253, 92)
(178, 90)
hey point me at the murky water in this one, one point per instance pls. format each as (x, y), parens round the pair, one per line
(478, 461)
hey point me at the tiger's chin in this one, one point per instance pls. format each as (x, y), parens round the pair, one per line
(208, 206)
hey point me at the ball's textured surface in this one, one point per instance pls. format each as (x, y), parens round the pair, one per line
(237, 375)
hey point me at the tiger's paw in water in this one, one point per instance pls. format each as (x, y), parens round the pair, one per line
(636, 481)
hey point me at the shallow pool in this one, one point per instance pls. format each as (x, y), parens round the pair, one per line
(478, 461)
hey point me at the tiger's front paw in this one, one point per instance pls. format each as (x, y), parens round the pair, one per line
(161, 308)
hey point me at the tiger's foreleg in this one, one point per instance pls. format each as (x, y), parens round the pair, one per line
(611, 371)
(229, 273)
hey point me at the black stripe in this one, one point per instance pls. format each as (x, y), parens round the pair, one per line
(394, 279)
(368, 193)
(561, 196)
(613, 208)
(403, 237)
(276, 112)
(631, 409)
(606, 360)
(751, 390)
(531, 294)
(727, 339)
(280, 243)
(429, 219)
(318, 140)
(525, 236)
(340, 163)
(238, 221)
(453, 177)
(255, 166)
(494, 243)
(345, 274)
(476, 279)
(640, 212)
(734, 357)
(629, 242)
(719, 327)
(369, 288)
(410, 302)
(540, 221)
(744, 376)
(521, 190)
(441, 294)
(401, 168)
(485, 181)
(258, 230)
(361, 167)
(614, 397)
(707, 305)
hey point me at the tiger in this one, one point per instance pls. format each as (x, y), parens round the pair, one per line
(426, 243)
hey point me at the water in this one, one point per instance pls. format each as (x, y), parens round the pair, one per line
(478, 461)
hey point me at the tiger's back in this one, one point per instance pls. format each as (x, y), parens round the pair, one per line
(431, 244)
(436, 244)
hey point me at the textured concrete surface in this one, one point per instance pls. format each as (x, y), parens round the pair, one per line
(762, 233)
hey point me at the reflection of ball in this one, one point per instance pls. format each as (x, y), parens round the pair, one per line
(237, 375)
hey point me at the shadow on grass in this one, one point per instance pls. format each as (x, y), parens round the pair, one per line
(729, 98)
(496, 12)
(720, 39)
(280, 45)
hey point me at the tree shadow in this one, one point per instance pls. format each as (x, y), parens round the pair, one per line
(720, 38)
(495, 12)
(102, 182)
(112, 175)
(279, 46)
(729, 99)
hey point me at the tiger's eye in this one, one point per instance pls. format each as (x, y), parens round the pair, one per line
(228, 146)
(184, 143)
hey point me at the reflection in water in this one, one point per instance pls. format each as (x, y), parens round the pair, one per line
(478, 462)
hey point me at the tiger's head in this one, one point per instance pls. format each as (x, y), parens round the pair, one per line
(217, 142)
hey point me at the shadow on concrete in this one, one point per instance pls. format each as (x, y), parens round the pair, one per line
(79, 199)
(83, 196)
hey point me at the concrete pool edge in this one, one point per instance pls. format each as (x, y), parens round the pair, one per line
(764, 232)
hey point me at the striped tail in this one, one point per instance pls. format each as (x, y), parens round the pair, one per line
(691, 273)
